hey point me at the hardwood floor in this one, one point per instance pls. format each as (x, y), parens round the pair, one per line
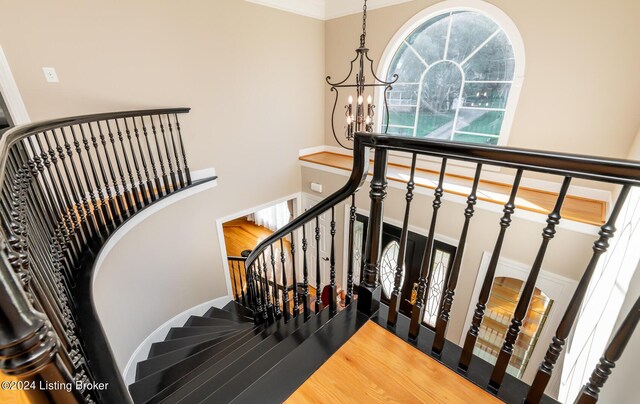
(579, 209)
(375, 366)
(11, 396)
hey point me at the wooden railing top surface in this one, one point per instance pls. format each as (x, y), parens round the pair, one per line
(576, 208)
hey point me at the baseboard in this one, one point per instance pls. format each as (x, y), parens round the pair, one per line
(142, 351)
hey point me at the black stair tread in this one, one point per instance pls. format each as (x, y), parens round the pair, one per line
(292, 371)
(250, 366)
(235, 307)
(217, 371)
(212, 347)
(215, 312)
(159, 348)
(163, 381)
(195, 321)
(181, 332)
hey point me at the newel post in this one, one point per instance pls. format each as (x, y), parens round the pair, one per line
(369, 289)
(28, 346)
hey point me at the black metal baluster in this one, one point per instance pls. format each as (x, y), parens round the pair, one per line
(187, 172)
(452, 281)
(107, 216)
(121, 206)
(232, 269)
(175, 153)
(69, 190)
(155, 191)
(276, 293)
(426, 268)
(174, 180)
(267, 296)
(333, 295)
(131, 206)
(305, 277)
(527, 292)
(68, 230)
(165, 178)
(394, 301)
(319, 304)
(600, 246)
(369, 290)
(296, 306)
(145, 169)
(92, 209)
(352, 220)
(135, 190)
(285, 296)
(590, 391)
(485, 291)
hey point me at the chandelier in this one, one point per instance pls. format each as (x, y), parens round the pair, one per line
(360, 109)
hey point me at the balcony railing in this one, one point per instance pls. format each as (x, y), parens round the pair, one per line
(263, 263)
(65, 186)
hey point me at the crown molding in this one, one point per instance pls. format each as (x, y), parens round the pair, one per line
(308, 8)
(325, 9)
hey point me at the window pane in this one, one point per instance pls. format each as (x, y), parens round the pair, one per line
(467, 138)
(480, 121)
(406, 65)
(493, 62)
(486, 95)
(429, 39)
(468, 31)
(388, 267)
(438, 100)
(400, 131)
(403, 95)
(436, 286)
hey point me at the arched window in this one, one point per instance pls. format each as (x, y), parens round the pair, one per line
(459, 75)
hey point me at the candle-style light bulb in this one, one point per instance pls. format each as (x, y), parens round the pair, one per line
(350, 100)
(360, 100)
(368, 120)
(349, 120)
(369, 100)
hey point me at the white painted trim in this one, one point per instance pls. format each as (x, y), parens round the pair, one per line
(202, 174)
(324, 148)
(482, 7)
(341, 8)
(325, 9)
(10, 93)
(308, 8)
(135, 220)
(558, 287)
(220, 221)
(158, 335)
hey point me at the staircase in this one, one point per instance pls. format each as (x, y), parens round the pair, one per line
(67, 185)
(224, 357)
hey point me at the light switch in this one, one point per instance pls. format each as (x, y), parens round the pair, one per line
(50, 74)
(316, 187)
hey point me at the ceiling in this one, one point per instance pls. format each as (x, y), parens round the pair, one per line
(325, 9)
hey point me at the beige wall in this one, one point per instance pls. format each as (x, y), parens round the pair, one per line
(567, 255)
(252, 84)
(254, 78)
(581, 91)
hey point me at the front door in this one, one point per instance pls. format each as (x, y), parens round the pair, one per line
(441, 261)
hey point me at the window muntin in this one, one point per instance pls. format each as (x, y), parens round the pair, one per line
(456, 73)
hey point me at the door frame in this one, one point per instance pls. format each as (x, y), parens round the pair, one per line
(557, 287)
(9, 91)
(296, 197)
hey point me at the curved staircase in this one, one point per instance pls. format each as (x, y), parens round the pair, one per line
(223, 356)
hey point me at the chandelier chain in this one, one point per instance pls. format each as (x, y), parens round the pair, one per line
(364, 24)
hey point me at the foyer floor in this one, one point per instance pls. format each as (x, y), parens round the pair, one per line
(375, 366)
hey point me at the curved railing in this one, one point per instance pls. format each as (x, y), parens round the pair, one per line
(276, 256)
(65, 186)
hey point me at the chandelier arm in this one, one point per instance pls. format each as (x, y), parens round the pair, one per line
(386, 106)
(333, 113)
(348, 75)
(394, 77)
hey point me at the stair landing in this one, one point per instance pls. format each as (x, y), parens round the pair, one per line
(376, 366)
